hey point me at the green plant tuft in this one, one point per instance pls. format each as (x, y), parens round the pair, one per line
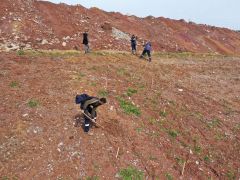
(173, 133)
(103, 93)
(14, 84)
(169, 176)
(20, 52)
(129, 108)
(92, 178)
(131, 91)
(131, 174)
(33, 103)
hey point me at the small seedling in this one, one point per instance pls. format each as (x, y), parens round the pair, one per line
(231, 175)
(14, 84)
(173, 133)
(20, 52)
(163, 113)
(197, 149)
(169, 176)
(207, 159)
(179, 160)
(93, 84)
(80, 76)
(131, 91)
(33, 103)
(139, 130)
(152, 121)
(214, 123)
(103, 93)
(131, 173)
(92, 178)
(219, 136)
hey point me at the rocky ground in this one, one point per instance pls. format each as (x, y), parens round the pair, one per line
(174, 118)
(31, 24)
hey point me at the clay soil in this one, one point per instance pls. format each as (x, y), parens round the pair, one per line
(188, 126)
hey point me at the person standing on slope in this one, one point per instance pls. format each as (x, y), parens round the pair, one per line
(147, 49)
(134, 44)
(85, 41)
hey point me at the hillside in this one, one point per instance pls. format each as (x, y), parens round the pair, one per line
(177, 117)
(44, 25)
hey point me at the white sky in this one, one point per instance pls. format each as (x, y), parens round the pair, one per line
(222, 13)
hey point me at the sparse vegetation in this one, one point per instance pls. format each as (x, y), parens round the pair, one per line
(14, 84)
(128, 107)
(92, 178)
(231, 175)
(103, 93)
(139, 129)
(197, 149)
(220, 136)
(168, 176)
(93, 84)
(214, 123)
(20, 52)
(131, 173)
(53, 53)
(33, 103)
(207, 159)
(163, 113)
(179, 160)
(131, 91)
(172, 133)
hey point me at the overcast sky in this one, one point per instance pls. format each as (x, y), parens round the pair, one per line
(222, 13)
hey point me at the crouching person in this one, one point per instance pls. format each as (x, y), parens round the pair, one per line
(89, 106)
(147, 49)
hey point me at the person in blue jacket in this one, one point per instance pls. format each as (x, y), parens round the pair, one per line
(89, 106)
(147, 49)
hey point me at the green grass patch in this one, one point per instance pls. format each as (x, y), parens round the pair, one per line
(139, 129)
(131, 91)
(53, 53)
(80, 76)
(179, 160)
(163, 114)
(93, 84)
(103, 93)
(213, 123)
(172, 133)
(231, 175)
(14, 84)
(237, 127)
(220, 136)
(197, 149)
(20, 53)
(128, 107)
(168, 176)
(207, 159)
(92, 178)
(33, 103)
(131, 173)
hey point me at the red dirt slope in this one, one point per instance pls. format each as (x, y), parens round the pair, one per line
(44, 25)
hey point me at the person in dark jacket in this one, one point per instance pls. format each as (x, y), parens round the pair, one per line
(134, 44)
(85, 41)
(89, 106)
(147, 49)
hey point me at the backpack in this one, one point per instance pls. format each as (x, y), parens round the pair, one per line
(81, 98)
